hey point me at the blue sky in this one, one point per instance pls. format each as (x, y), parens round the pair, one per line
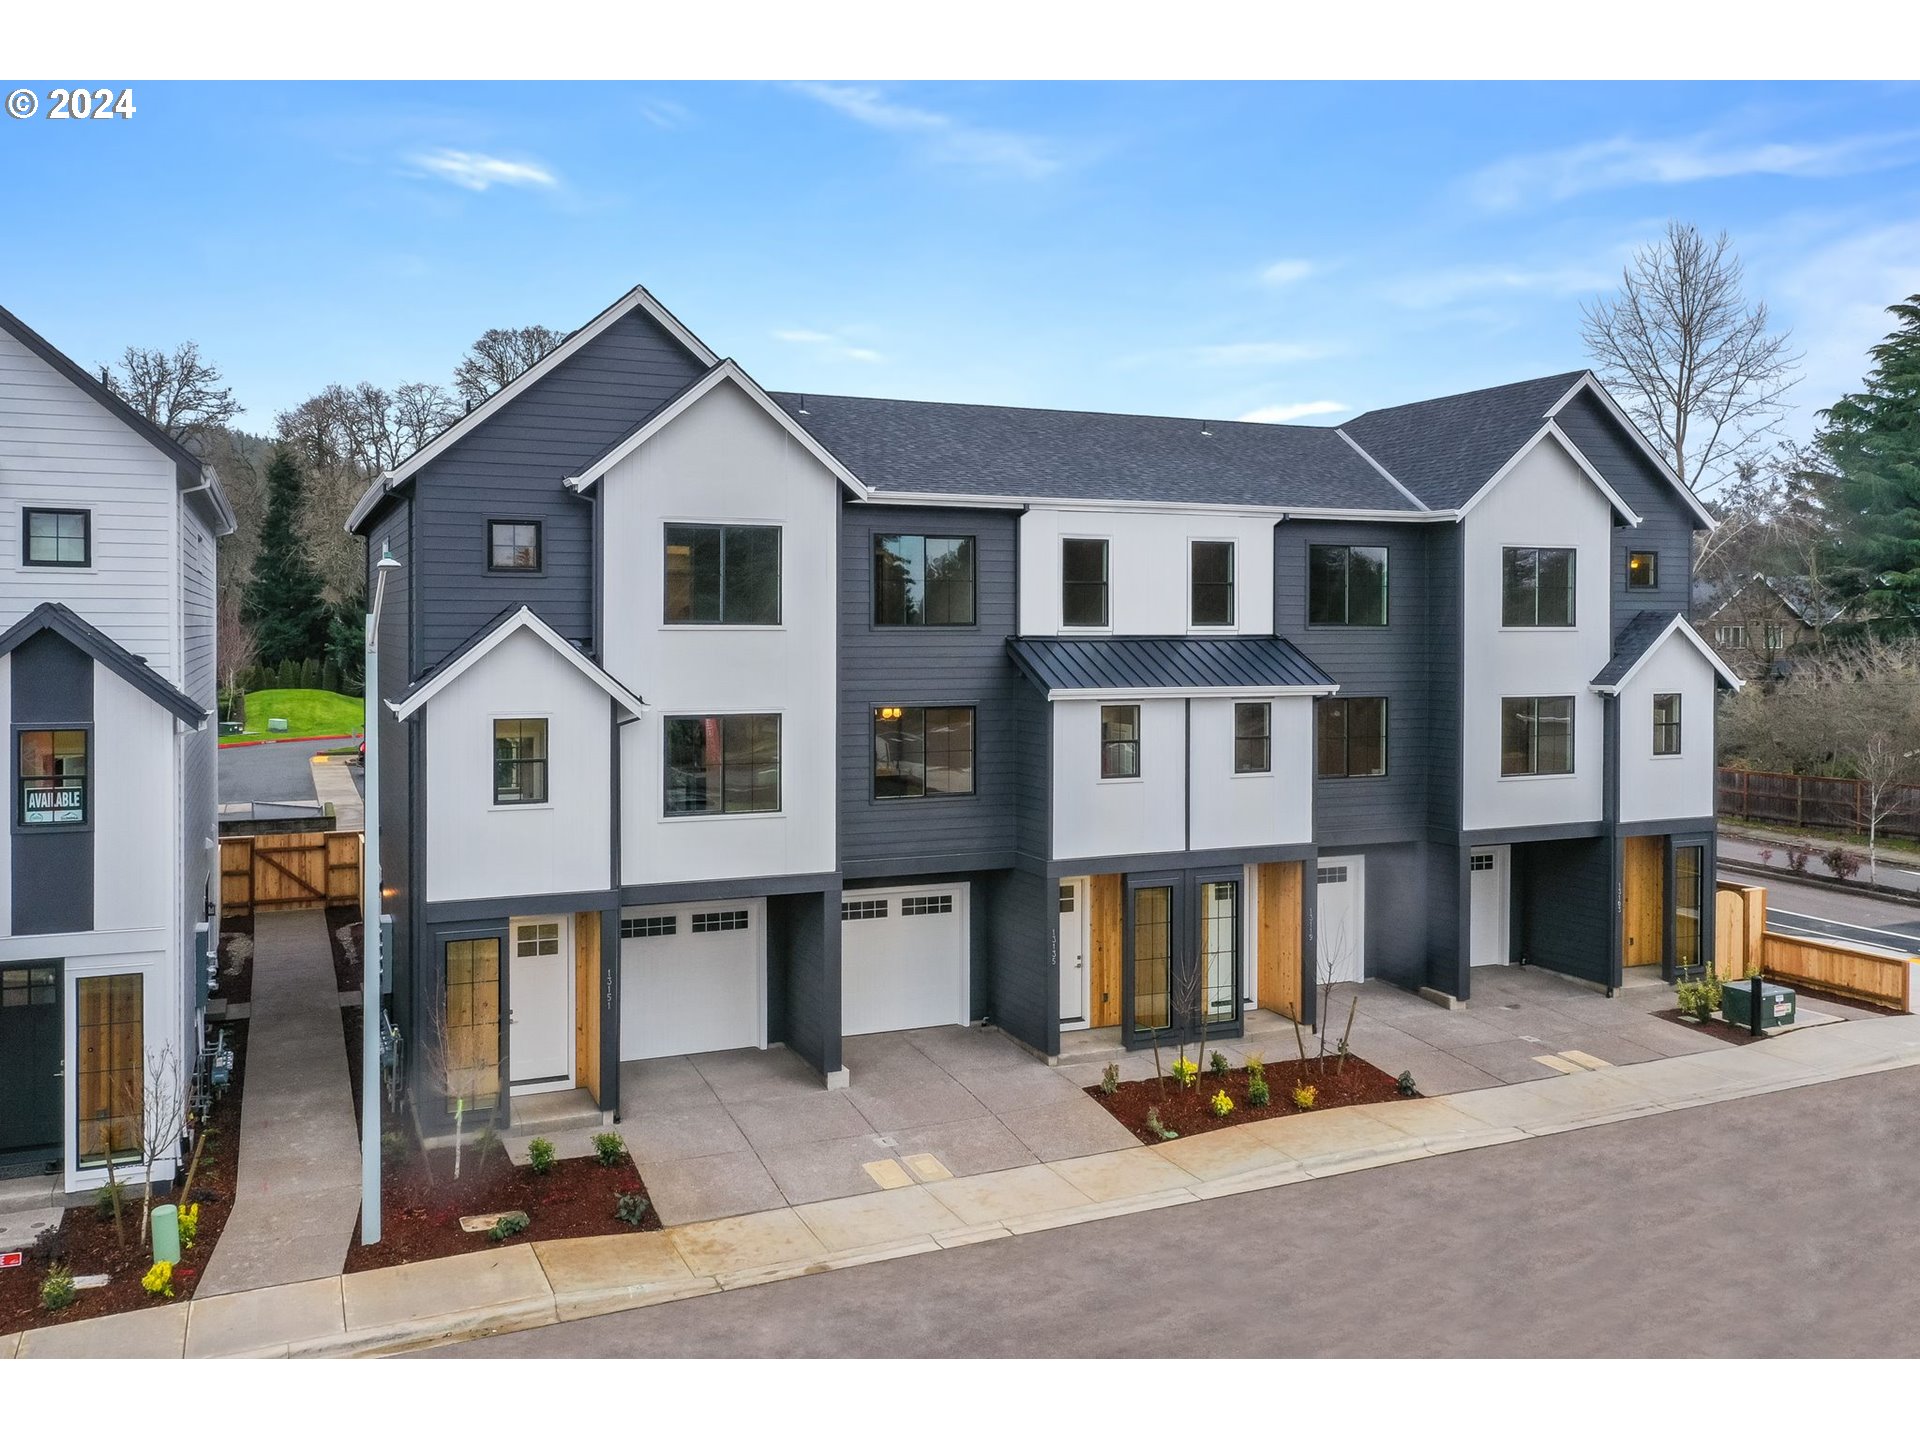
(1216, 250)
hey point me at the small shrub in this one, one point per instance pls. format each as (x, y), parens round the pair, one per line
(630, 1206)
(1841, 861)
(1160, 1131)
(1405, 1083)
(1304, 1096)
(508, 1225)
(1692, 998)
(187, 1217)
(1797, 857)
(1256, 1064)
(1187, 1072)
(58, 1291)
(112, 1194)
(1221, 1104)
(1217, 1063)
(1765, 852)
(159, 1279)
(1258, 1095)
(393, 1147)
(1110, 1079)
(540, 1156)
(609, 1148)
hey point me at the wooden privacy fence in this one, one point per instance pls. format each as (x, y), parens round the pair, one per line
(1742, 941)
(1822, 802)
(291, 870)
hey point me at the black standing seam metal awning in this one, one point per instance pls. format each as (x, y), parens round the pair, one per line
(1149, 662)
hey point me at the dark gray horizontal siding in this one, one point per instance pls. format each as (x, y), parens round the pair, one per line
(929, 665)
(1446, 675)
(511, 467)
(1389, 661)
(1564, 905)
(1022, 931)
(1667, 524)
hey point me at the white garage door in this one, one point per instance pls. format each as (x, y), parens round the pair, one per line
(903, 958)
(692, 978)
(1340, 916)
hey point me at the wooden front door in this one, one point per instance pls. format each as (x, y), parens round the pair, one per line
(1643, 900)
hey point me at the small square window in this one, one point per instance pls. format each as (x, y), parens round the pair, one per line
(53, 785)
(1643, 570)
(59, 538)
(513, 546)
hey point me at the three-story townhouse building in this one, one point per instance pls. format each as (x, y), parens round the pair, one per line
(108, 859)
(727, 719)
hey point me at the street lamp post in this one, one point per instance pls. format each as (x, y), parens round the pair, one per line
(372, 960)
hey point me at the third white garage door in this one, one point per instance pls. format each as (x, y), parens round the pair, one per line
(903, 958)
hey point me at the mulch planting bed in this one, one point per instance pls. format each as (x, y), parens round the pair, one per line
(86, 1244)
(1716, 1027)
(1187, 1110)
(421, 1204)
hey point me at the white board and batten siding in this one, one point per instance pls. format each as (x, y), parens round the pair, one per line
(725, 461)
(59, 447)
(1544, 501)
(1148, 556)
(1275, 807)
(1668, 787)
(477, 849)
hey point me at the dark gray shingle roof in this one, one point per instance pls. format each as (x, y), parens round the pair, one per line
(1126, 662)
(51, 615)
(1444, 450)
(928, 447)
(1634, 641)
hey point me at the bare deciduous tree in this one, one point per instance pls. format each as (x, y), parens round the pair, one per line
(179, 392)
(500, 356)
(1697, 366)
(233, 637)
(161, 1095)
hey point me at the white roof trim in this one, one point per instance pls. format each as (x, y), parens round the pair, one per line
(521, 619)
(636, 298)
(1385, 473)
(1679, 623)
(1550, 429)
(1590, 383)
(934, 499)
(1193, 692)
(688, 398)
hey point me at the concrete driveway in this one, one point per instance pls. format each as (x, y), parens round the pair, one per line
(746, 1130)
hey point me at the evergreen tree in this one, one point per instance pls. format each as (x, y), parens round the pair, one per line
(283, 599)
(346, 642)
(1871, 442)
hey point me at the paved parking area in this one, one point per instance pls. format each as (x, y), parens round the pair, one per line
(746, 1130)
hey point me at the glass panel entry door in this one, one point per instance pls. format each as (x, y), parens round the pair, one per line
(1183, 956)
(1688, 866)
(1220, 949)
(1150, 938)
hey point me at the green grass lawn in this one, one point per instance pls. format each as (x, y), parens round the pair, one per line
(307, 712)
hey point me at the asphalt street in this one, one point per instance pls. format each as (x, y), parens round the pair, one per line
(1898, 870)
(1820, 912)
(281, 770)
(1773, 1226)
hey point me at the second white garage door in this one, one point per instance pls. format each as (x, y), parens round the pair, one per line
(692, 978)
(903, 958)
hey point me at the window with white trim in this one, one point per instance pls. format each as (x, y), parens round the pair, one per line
(1536, 587)
(1536, 735)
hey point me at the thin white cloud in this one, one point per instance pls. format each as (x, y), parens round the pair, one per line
(1255, 352)
(834, 347)
(664, 114)
(946, 137)
(471, 170)
(1286, 272)
(1281, 414)
(1429, 289)
(1624, 161)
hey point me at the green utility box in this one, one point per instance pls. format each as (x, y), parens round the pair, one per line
(1776, 1004)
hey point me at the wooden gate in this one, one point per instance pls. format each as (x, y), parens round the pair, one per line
(289, 870)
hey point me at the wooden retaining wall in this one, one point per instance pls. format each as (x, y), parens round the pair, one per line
(1742, 941)
(290, 870)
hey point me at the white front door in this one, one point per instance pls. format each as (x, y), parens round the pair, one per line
(1073, 952)
(540, 990)
(903, 958)
(1487, 905)
(1340, 917)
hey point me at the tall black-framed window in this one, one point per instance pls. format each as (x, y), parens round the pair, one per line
(1666, 724)
(1083, 582)
(513, 547)
(922, 750)
(520, 762)
(1536, 587)
(923, 580)
(1689, 893)
(57, 538)
(1536, 735)
(52, 783)
(723, 574)
(1252, 737)
(1119, 742)
(1346, 584)
(722, 764)
(1210, 579)
(1643, 570)
(1350, 736)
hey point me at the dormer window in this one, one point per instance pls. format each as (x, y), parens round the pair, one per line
(513, 546)
(1643, 570)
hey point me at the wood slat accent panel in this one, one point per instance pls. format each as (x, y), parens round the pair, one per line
(586, 1001)
(1279, 887)
(1740, 929)
(1643, 900)
(1107, 908)
(1864, 974)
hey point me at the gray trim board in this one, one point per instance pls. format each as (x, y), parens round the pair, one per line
(505, 907)
(1695, 825)
(1527, 834)
(750, 887)
(1177, 860)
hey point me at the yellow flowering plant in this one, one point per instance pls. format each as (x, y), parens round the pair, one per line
(1186, 1072)
(1304, 1096)
(159, 1279)
(1221, 1104)
(189, 1221)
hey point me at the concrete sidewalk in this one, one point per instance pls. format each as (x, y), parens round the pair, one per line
(525, 1286)
(299, 1187)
